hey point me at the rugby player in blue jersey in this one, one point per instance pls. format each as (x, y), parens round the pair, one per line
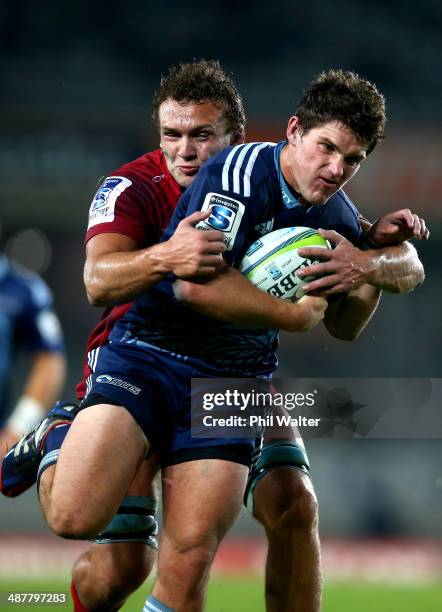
(259, 185)
(191, 538)
(27, 321)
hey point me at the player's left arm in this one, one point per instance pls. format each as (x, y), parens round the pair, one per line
(390, 262)
(355, 277)
(348, 314)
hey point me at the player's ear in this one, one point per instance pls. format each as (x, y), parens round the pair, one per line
(292, 129)
(238, 136)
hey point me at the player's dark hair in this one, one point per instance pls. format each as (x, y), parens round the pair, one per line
(199, 81)
(344, 96)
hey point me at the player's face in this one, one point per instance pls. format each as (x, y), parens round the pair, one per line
(190, 134)
(318, 163)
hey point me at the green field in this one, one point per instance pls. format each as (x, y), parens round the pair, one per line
(244, 595)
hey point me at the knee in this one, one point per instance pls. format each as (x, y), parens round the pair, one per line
(290, 508)
(200, 544)
(183, 569)
(189, 555)
(300, 513)
(123, 576)
(107, 574)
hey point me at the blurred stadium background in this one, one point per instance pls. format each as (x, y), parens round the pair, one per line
(76, 84)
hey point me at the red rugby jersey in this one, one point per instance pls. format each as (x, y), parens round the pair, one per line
(136, 200)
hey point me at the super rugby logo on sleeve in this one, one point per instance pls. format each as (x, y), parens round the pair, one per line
(102, 209)
(225, 215)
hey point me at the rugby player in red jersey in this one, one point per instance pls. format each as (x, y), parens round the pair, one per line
(119, 269)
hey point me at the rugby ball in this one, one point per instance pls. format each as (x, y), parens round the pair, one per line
(271, 262)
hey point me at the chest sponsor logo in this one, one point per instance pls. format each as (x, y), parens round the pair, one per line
(102, 209)
(225, 215)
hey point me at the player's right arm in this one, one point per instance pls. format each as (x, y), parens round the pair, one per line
(117, 270)
(232, 298)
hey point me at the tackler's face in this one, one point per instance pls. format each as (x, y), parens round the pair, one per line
(191, 133)
(321, 161)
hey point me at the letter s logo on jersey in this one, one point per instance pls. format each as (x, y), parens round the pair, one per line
(221, 218)
(226, 215)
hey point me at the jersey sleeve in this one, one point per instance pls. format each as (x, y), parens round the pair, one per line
(38, 326)
(120, 206)
(230, 212)
(347, 223)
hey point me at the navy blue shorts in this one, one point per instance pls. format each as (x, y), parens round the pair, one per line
(155, 389)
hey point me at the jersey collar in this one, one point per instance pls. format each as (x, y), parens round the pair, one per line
(289, 199)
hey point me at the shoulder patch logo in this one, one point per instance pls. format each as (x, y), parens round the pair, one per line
(103, 205)
(226, 215)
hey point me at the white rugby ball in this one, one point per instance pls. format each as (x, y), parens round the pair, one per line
(271, 262)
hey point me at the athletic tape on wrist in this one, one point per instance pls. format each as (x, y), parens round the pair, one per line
(25, 416)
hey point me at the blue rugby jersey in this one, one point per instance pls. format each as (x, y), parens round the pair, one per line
(26, 320)
(248, 197)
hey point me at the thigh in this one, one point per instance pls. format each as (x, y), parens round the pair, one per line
(201, 499)
(279, 432)
(98, 460)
